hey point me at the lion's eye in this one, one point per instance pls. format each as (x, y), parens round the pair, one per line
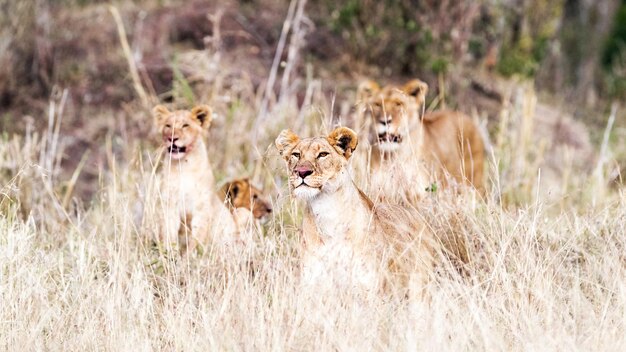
(296, 155)
(322, 154)
(255, 197)
(168, 126)
(186, 125)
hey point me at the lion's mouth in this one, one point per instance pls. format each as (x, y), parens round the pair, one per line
(175, 152)
(306, 191)
(303, 184)
(174, 149)
(387, 137)
(260, 213)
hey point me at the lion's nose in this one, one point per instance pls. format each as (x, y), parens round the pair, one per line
(304, 171)
(172, 139)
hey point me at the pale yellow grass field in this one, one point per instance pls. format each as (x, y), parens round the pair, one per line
(543, 275)
(547, 267)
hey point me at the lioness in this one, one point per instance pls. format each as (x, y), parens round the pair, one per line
(187, 191)
(345, 236)
(420, 150)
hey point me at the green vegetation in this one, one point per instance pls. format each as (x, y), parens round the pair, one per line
(614, 56)
(390, 34)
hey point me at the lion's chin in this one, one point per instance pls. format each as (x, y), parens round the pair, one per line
(305, 192)
(176, 156)
(388, 146)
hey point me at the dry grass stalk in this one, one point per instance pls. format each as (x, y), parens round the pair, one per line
(132, 66)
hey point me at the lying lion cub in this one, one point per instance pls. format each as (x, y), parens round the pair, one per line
(419, 150)
(187, 191)
(241, 193)
(247, 204)
(346, 238)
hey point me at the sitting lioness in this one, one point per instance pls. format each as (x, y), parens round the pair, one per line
(346, 238)
(187, 192)
(418, 150)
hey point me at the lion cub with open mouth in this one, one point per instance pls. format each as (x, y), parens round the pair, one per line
(348, 239)
(187, 193)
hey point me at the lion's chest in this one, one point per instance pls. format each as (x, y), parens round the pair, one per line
(340, 256)
(337, 223)
(332, 224)
(185, 192)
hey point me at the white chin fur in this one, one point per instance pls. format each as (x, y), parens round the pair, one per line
(388, 146)
(306, 192)
(176, 156)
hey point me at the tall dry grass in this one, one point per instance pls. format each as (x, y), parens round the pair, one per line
(541, 274)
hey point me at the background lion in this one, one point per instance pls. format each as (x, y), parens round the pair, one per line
(415, 149)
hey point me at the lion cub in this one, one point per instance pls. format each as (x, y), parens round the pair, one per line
(415, 149)
(346, 238)
(187, 192)
(247, 204)
(241, 193)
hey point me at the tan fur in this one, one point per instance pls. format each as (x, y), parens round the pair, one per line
(445, 145)
(187, 190)
(241, 193)
(344, 234)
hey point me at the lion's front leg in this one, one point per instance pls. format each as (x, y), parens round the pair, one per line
(200, 224)
(169, 232)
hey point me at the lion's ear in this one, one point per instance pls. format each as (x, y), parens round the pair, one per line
(417, 89)
(160, 112)
(203, 114)
(286, 140)
(344, 140)
(233, 190)
(366, 90)
(229, 191)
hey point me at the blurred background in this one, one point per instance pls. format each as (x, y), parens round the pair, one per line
(93, 69)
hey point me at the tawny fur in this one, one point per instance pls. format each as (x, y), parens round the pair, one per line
(240, 193)
(248, 205)
(189, 199)
(346, 238)
(413, 149)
